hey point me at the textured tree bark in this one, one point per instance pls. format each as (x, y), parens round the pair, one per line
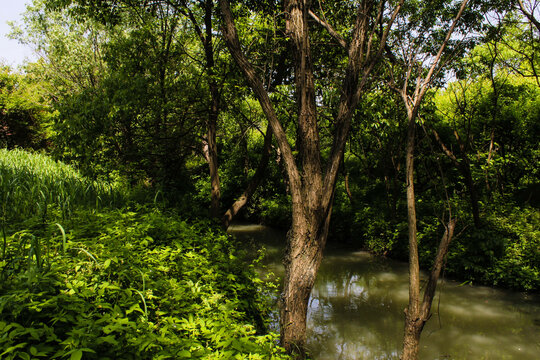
(312, 193)
(411, 338)
(306, 241)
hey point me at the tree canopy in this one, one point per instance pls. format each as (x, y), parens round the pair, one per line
(415, 123)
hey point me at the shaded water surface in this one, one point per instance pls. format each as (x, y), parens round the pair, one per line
(356, 309)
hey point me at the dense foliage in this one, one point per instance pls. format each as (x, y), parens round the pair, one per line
(23, 111)
(145, 101)
(133, 282)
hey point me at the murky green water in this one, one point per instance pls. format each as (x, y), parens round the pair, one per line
(356, 310)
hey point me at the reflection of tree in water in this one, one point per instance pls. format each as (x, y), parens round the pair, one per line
(352, 312)
(356, 310)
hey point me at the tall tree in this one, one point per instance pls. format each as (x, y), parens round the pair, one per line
(205, 33)
(312, 190)
(420, 61)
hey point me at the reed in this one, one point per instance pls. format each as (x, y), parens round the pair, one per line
(33, 184)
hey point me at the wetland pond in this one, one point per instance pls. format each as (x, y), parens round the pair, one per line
(356, 309)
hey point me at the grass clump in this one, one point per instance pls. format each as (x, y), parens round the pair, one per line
(32, 183)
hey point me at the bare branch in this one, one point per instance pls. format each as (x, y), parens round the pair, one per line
(529, 15)
(341, 41)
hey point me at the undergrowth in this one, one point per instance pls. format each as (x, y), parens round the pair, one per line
(132, 285)
(85, 272)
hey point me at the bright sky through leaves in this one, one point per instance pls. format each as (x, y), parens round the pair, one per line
(11, 52)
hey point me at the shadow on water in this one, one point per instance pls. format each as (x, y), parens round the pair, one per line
(356, 309)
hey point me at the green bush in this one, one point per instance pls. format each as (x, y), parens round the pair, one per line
(276, 211)
(130, 284)
(519, 265)
(504, 251)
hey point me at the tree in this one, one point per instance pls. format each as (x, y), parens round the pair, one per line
(205, 34)
(24, 111)
(415, 55)
(312, 191)
(125, 80)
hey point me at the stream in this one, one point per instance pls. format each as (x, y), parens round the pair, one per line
(356, 309)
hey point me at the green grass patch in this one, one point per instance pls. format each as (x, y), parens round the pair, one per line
(33, 184)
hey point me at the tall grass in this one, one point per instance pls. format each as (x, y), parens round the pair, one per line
(33, 184)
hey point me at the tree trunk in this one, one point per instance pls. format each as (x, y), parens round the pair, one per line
(417, 313)
(253, 183)
(210, 149)
(312, 193)
(348, 189)
(411, 338)
(215, 191)
(306, 241)
(213, 115)
(415, 321)
(413, 324)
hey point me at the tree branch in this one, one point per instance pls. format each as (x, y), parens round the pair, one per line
(529, 15)
(341, 41)
(233, 43)
(253, 183)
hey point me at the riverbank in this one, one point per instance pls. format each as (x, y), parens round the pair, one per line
(88, 272)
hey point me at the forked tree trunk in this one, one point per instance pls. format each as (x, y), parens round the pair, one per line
(419, 314)
(311, 190)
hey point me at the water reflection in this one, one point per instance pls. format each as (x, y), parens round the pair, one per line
(356, 310)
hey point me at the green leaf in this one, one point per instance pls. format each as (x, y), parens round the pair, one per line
(11, 348)
(184, 354)
(33, 351)
(76, 355)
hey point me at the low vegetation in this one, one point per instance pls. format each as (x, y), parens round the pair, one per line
(134, 282)
(32, 184)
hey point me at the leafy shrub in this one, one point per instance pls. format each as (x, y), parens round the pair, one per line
(276, 211)
(519, 265)
(504, 251)
(130, 284)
